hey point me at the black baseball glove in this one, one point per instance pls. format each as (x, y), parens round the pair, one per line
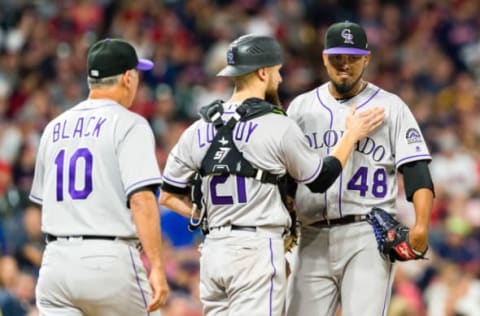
(392, 237)
(291, 240)
(288, 187)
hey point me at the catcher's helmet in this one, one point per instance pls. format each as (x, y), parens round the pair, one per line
(251, 52)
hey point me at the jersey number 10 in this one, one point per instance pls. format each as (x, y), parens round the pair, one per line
(75, 193)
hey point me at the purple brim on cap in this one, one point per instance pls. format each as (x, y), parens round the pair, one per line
(346, 51)
(144, 64)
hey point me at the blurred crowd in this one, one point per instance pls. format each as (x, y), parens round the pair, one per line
(428, 52)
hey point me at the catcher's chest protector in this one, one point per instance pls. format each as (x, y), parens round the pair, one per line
(223, 156)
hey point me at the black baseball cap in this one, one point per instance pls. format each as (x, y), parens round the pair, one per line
(251, 52)
(346, 38)
(110, 57)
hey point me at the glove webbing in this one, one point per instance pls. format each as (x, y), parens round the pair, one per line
(378, 231)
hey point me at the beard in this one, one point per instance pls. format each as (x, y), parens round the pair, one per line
(271, 96)
(344, 88)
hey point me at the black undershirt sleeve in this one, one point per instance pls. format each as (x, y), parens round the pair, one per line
(152, 188)
(416, 175)
(175, 190)
(331, 169)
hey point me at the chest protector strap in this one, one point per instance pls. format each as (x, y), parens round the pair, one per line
(223, 156)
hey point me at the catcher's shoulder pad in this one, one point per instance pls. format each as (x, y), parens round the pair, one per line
(254, 107)
(212, 111)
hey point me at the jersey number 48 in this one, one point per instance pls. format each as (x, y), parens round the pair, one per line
(359, 182)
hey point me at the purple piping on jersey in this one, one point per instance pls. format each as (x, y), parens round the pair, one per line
(412, 158)
(341, 174)
(148, 181)
(174, 181)
(315, 173)
(370, 98)
(340, 197)
(328, 149)
(273, 276)
(35, 198)
(387, 292)
(138, 280)
(329, 111)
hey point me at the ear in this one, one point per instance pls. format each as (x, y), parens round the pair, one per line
(262, 73)
(127, 77)
(325, 59)
(367, 60)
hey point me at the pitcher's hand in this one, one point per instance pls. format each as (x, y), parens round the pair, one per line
(418, 238)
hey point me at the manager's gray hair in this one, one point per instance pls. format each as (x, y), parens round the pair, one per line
(94, 83)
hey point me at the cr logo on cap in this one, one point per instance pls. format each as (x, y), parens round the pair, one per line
(230, 58)
(348, 36)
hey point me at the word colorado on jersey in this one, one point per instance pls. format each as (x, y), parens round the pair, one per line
(366, 146)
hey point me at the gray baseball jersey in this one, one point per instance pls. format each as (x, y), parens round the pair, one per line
(369, 178)
(87, 164)
(333, 264)
(90, 159)
(271, 142)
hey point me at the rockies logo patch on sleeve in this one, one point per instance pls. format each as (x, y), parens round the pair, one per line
(413, 136)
